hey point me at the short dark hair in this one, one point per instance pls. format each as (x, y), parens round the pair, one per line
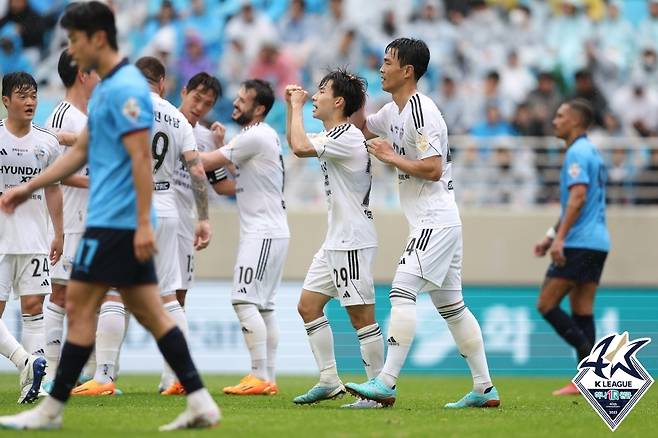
(91, 17)
(350, 87)
(151, 68)
(583, 74)
(584, 109)
(493, 75)
(264, 93)
(18, 80)
(413, 52)
(206, 82)
(67, 69)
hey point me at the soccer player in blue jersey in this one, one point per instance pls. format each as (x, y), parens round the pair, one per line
(579, 243)
(118, 245)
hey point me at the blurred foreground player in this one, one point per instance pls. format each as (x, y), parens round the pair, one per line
(118, 245)
(579, 243)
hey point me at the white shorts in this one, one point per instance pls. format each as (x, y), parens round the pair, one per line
(24, 274)
(258, 271)
(62, 269)
(345, 275)
(186, 261)
(166, 259)
(435, 255)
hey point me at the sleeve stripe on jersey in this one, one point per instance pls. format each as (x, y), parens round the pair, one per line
(353, 264)
(262, 261)
(38, 128)
(58, 118)
(337, 131)
(417, 112)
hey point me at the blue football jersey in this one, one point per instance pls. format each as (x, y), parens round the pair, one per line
(584, 165)
(119, 105)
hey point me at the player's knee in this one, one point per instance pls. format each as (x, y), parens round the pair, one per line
(544, 307)
(307, 311)
(32, 305)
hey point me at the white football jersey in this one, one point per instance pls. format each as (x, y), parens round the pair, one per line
(25, 231)
(345, 164)
(171, 136)
(419, 132)
(259, 182)
(183, 182)
(67, 118)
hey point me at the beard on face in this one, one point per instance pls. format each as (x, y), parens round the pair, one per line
(244, 118)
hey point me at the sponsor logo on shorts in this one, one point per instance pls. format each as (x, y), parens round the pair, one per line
(612, 379)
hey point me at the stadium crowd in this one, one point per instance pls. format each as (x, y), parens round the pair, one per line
(499, 69)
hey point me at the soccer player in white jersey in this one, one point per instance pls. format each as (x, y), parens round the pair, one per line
(70, 116)
(26, 150)
(172, 140)
(264, 235)
(197, 99)
(417, 145)
(342, 266)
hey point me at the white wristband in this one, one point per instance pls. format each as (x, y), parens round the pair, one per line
(550, 233)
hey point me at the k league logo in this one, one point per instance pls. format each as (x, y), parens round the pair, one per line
(612, 379)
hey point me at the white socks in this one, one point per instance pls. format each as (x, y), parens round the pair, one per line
(109, 336)
(177, 313)
(34, 335)
(401, 332)
(321, 339)
(466, 332)
(372, 349)
(53, 316)
(272, 342)
(255, 336)
(11, 349)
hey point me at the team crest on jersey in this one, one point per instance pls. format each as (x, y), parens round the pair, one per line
(612, 379)
(574, 170)
(131, 108)
(422, 144)
(40, 153)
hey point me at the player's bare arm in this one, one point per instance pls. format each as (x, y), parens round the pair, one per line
(67, 138)
(66, 165)
(137, 145)
(289, 90)
(541, 248)
(198, 179)
(429, 168)
(358, 119)
(577, 197)
(213, 160)
(299, 143)
(225, 187)
(77, 181)
(55, 202)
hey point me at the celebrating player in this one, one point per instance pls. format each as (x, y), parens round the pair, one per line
(70, 116)
(342, 266)
(118, 245)
(172, 140)
(25, 151)
(579, 243)
(431, 262)
(264, 235)
(197, 99)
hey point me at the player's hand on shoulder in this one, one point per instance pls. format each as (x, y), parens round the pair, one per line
(202, 235)
(144, 243)
(541, 248)
(557, 253)
(289, 90)
(56, 249)
(67, 138)
(14, 197)
(218, 134)
(381, 149)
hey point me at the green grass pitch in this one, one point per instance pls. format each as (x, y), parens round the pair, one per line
(528, 410)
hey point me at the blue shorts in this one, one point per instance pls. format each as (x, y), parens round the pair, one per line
(107, 256)
(582, 266)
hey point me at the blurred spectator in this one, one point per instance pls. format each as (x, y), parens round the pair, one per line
(30, 25)
(297, 26)
(346, 53)
(648, 31)
(615, 42)
(194, 59)
(524, 124)
(166, 18)
(524, 36)
(439, 34)
(206, 24)
(482, 38)
(490, 95)
(252, 27)
(493, 125)
(516, 81)
(451, 104)
(471, 191)
(567, 35)
(370, 72)
(387, 30)
(586, 89)
(512, 176)
(11, 51)
(645, 69)
(620, 175)
(637, 108)
(231, 67)
(543, 101)
(276, 67)
(646, 182)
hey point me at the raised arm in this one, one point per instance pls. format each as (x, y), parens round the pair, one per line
(138, 147)
(300, 144)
